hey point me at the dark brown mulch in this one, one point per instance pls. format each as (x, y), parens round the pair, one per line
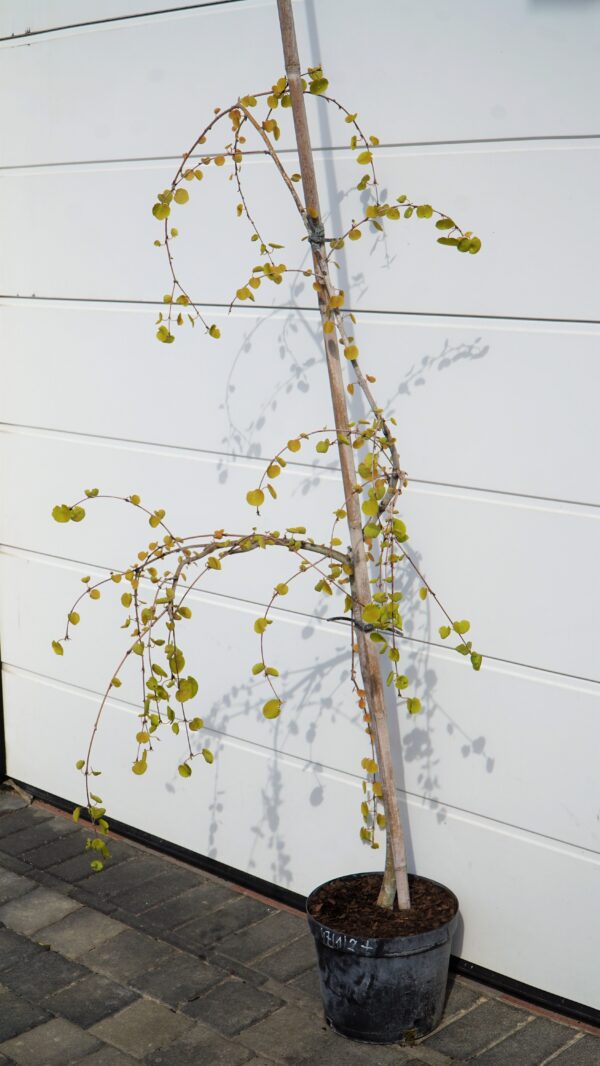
(350, 906)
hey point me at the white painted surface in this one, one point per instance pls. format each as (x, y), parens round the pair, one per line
(419, 364)
(490, 363)
(104, 212)
(466, 74)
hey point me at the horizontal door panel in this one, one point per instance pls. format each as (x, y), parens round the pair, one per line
(46, 16)
(295, 824)
(477, 403)
(90, 233)
(181, 64)
(459, 753)
(503, 563)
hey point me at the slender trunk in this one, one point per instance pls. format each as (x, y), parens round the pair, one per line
(395, 878)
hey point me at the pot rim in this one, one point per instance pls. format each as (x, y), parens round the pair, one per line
(426, 939)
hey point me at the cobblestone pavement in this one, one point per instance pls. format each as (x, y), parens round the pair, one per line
(153, 961)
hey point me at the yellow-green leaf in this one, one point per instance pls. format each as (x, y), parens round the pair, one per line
(255, 497)
(207, 755)
(184, 770)
(181, 196)
(57, 648)
(272, 709)
(61, 513)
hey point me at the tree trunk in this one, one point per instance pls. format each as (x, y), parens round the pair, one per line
(395, 878)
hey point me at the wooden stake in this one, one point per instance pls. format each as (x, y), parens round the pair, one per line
(395, 880)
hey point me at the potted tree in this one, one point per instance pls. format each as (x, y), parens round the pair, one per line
(383, 940)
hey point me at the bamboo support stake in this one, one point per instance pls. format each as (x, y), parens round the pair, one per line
(395, 880)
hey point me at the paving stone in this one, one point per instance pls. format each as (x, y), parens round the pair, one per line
(13, 885)
(17, 1015)
(201, 1045)
(309, 983)
(234, 968)
(48, 880)
(57, 1043)
(296, 1038)
(55, 851)
(233, 1006)
(529, 1046)
(16, 866)
(459, 996)
(37, 977)
(277, 928)
(258, 1062)
(90, 1000)
(107, 1056)
(215, 893)
(36, 835)
(11, 801)
(22, 819)
(40, 907)
(476, 1030)
(142, 1028)
(77, 870)
(115, 880)
(15, 948)
(97, 903)
(216, 925)
(128, 954)
(79, 932)
(175, 911)
(290, 960)
(178, 980)
(165, 886)
(193, 903)
(584, 1052)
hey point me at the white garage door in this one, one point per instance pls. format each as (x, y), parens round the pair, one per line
(491, 364)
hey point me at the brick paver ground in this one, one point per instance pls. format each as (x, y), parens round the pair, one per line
(157, 963)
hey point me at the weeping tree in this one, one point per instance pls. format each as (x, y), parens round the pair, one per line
(364, 566)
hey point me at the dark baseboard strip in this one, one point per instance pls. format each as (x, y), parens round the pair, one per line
(547, 1001)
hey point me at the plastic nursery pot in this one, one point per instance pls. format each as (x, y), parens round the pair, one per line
(383, 989)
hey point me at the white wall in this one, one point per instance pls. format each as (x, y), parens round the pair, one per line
(491, 366)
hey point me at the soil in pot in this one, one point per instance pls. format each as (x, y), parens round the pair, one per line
(383, 973)
(350, 906)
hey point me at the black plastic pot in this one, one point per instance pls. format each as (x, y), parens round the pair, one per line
(383, 990)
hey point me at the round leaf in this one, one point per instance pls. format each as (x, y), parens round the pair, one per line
(272, 709)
